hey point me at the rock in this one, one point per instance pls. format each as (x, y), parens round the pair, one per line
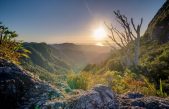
(134, 95)
(158, 27)
(54, 105)
(138, 103)
(20, 90)
(143, 102)
(100, 97)
(12, 85)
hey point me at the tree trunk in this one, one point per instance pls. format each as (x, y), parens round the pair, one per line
(137, 50)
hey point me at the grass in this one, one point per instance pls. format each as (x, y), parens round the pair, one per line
(160, 92)
(118, 82)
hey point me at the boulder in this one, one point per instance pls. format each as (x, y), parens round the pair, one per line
(138, 101)
(100, 97)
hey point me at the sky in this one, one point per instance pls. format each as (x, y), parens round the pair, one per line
(60, 21)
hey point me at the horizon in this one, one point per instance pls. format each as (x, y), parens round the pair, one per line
(87, 44)
(71, 21)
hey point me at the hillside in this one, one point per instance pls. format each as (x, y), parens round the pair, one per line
(154, 52)
(78, 56)
(60, 58)
(155, 48)
(75, 76)
(27, 92)
(158, 28)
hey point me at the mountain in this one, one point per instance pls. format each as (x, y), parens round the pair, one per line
(78, 56)
(158, 28)
(60, 58)
(155, 48)
(44, 56)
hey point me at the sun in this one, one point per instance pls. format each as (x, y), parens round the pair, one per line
(99, 33)
(99, 44)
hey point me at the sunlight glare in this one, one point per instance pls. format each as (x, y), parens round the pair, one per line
(99, 44)
(99, 33)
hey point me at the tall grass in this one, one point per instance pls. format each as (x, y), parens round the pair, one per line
(118, 82)
(76, 81)
(160, 92)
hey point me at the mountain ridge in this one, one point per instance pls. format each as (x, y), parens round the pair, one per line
(158, 26)
(64, 57)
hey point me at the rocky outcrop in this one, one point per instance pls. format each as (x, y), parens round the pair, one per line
(158, 28)
(139, 101)
(18, 90)
(100, 97)
(13, 84)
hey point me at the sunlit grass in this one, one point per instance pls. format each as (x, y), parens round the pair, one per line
(118, 82)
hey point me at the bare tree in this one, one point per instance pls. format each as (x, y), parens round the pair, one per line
(126, 37)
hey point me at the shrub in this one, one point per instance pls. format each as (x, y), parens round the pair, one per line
(115, 81)
(129, 82)
(76, 81)
(156, 65)
(115, 65)
(118, 82)
(11, 49)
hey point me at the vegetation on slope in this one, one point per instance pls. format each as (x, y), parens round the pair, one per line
(10, 48)
(158, 27)
(117, 81)
(43, 56)
(153, 64)
(51, 62)
(154, 55)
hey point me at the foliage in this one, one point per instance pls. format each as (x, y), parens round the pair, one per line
(91, 67)
(37, 107)
(45, 56)
(160, 92)
(118, 82)
(10, 48)
(155, 64)
(115, 64)
(40, 73)
(130, 82)
(76, 81)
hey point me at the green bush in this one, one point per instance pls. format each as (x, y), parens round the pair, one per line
(155, 64)
(10, 49)
(76, 81)
(114, 65)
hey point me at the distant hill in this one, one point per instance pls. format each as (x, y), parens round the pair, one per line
(64, 57)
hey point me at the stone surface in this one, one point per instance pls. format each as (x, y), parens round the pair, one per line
(158, 27)
(20, 90)
(13, 84)
(127, 102)
(100, 97)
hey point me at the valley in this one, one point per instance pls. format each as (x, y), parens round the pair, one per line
(130, 72)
